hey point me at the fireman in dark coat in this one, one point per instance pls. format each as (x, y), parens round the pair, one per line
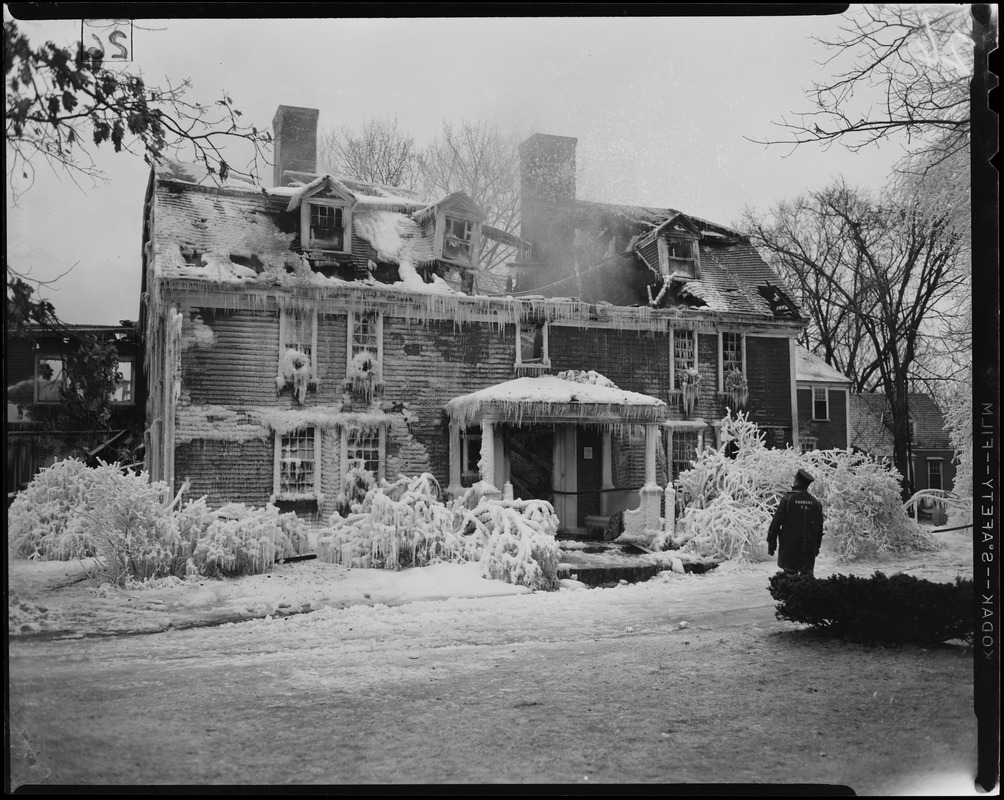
(798, 524)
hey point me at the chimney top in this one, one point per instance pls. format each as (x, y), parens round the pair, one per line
(295, 130)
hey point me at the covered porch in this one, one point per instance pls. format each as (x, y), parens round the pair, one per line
(581, 419)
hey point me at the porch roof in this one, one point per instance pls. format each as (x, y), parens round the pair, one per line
(550, 399)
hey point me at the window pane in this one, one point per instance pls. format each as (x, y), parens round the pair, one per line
(296, 462)
(732, 352)
(684, 355)
(457, 239)
(363, 450)
(684, 450)
(531, 343)
(49, 379)
(124, 387)
(326, 226)
(365, 333)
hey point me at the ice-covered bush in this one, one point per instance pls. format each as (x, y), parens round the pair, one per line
(296, 370)
(407, 524)
(356, 484)
(727, 498)
(862, 506)
(401, 524)
(242, 540)
(44, 521)
(519, 544)
(135, 531)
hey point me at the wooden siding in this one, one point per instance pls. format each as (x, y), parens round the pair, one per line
(228, 472)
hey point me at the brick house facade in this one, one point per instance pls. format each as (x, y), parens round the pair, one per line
(325, 324)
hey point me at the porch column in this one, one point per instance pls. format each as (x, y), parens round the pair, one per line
(455, 489)
(487, 462)
(606, 472)
(651, 439)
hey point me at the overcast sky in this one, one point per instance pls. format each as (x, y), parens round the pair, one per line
(659, 106)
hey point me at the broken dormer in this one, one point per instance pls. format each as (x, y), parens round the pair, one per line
(673, 248)
(455, 222)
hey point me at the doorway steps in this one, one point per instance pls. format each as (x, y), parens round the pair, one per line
(598, 563)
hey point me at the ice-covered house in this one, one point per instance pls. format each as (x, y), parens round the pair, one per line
(298, 332)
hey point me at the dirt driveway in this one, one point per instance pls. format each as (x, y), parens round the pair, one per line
(520, 689)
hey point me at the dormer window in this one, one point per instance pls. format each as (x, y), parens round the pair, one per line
(458, 239)
(679, 256)
(325, 226)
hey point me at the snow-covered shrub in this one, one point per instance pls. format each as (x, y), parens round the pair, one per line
(135, 531)
(44, 521)
(129, 522)
(862, 507)
(728, 498)
(296, 370)
(242, 540)
(403, 524)
(407, 524)
(356, 484)
(519, 544)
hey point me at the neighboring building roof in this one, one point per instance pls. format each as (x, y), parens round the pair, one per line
(871, 424)
(810, 368)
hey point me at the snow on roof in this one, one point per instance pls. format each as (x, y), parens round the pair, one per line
(549, 398)
(394, 236)
(811, 368)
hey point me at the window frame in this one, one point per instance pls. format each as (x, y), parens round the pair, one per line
(470, 438)
(352, 349)
(666, 260)
(825, 401)
(699, 431)
(381, 447)
(673, 382)
(721, 355)
(940, 464)
(37, 397)
(544, 362)
(131, 360)
(443, 234)
(309, 432)
(306, 241)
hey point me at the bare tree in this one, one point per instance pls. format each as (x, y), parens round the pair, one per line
(920, 57)
(873, 274)
(481, 160)
(378, 153)
(60, 103)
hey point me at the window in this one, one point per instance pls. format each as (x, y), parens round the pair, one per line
(680, 256)
(470, 455)
(325, 226)
(934, 474)
(363, 448)
(296, 465)
(531, 344)
(366, 336)
(298, 329)
(50, 377)
(124, 393)
(684, 355)
(732, 352)
(458, 239)
(820, 403)
(684, 449)
(807, 444)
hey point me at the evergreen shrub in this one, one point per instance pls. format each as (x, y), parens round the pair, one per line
(880, 609)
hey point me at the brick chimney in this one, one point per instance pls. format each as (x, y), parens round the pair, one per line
(295, 132)
(547, 190)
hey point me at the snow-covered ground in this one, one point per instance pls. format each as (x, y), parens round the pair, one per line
(51, 596)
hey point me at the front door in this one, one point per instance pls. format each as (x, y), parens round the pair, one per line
(531, 462)
(589, 473)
